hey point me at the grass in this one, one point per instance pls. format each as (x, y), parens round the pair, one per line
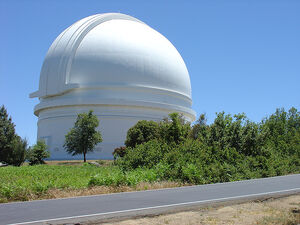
(67, 178)
(281, 217)
(19, 183)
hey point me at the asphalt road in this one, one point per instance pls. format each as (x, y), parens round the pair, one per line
(132, 203)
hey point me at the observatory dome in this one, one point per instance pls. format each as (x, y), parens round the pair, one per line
(117, 66)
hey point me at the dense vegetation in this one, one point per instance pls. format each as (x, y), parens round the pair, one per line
(231, 148)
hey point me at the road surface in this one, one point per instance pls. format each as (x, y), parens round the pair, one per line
(79, 209)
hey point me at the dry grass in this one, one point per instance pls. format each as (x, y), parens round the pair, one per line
(97, 190)
(282, 211)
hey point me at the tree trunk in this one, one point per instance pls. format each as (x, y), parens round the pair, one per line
(84, 158)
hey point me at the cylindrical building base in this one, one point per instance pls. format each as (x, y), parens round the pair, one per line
(114, 122)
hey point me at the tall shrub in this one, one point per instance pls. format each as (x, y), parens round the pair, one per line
(142, 132)
(38, 153)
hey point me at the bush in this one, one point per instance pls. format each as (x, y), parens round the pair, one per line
(172, 129)
(38, 153)
(191, 173)
(144, 155)
(177, 130)
(142, 132)
(119, 152)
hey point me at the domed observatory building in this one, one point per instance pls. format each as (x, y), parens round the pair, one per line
(117, 66)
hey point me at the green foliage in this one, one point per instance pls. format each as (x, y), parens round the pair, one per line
(142, 132)
(284, 131)
(119, 152)
(231, 148)
(144, 155)
(171, 130)
(12, 147)
(38, 153)
(7, 134)
(118, 178)
(83, 137)
(199, 130)
(18, 154)
(18, 183)
(176, 130)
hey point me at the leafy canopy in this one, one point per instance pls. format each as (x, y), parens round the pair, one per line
(83, 137)
(172, 129)
(175, 129)
(143, 131)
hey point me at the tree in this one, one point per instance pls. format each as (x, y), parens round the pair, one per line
(7, 134)
(38, 153)
(119, 152)
(284, 130)
(83, 137)
(142, 132)
(18, 154)
(177, 129)
(200, 129)
(12, 147)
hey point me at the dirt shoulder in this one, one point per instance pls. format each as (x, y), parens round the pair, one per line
(283, 210)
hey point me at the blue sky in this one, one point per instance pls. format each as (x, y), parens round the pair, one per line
(242, 56)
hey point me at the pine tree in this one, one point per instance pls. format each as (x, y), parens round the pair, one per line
(7, 135)
(12, 147)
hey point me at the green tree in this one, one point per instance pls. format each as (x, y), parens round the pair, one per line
(177, 130)
(38, 153)
(83, 137)
(12, 147)
(142, 132)
(200, 129)
(7, 134)
(283, 130)
(20, 149)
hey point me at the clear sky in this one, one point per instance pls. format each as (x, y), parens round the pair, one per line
(242, 56)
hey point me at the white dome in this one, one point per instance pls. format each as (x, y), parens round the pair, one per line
(113, 60)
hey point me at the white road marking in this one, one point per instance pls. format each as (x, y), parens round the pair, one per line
(157, 207)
